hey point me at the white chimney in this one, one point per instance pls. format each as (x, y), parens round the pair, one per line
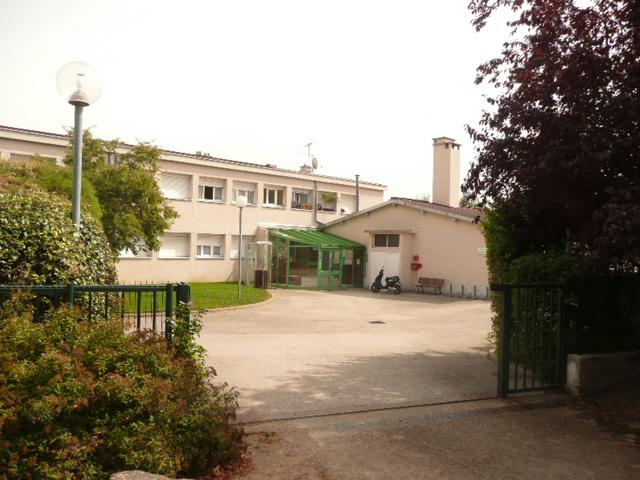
(446, 171)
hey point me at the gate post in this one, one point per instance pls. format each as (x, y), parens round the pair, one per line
(70, 294)
(504, 344)
(183, 295)
(183, 292)
(561, 349)
(168, 312)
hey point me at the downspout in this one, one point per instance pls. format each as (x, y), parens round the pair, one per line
(357, 193)
(315, 203)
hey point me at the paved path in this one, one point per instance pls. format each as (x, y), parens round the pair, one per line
(481, 440)
(318, 352)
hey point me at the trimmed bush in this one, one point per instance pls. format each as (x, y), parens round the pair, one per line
(86, 399)
(40, 244)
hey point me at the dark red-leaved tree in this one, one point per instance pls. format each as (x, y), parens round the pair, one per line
(558, 146)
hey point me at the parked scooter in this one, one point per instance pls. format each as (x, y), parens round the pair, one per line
(391, 284)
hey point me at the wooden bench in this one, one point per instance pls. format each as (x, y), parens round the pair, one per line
(435, 283)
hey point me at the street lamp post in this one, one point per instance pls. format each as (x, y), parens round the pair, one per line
(241, 202)
(78, 83)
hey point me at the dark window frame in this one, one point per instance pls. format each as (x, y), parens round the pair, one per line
(386, 240)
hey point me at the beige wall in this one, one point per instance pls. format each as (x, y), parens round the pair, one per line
(449, 248)
(16, 147)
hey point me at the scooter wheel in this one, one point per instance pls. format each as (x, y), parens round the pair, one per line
(396, 289)
(375, 288)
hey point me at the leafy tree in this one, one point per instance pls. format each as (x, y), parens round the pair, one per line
(134, 212)
(558, 147)
(467, 201)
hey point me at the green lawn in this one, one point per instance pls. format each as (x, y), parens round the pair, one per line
(203, 295)
(217, 295)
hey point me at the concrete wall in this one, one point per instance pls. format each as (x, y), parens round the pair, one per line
(589, 373)
(448, 248)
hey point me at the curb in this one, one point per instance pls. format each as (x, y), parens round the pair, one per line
(237, 307)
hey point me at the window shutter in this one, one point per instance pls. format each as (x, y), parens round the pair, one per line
(175, 186)
(174, 246)
(348, 203)
(211, 182)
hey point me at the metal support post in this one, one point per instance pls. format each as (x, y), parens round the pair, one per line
(240, 257)
(504, 345)
(77, 166)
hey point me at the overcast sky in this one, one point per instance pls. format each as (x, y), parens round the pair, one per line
(369, 82)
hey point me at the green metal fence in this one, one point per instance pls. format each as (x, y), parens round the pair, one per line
(532, 352)
(147, 307)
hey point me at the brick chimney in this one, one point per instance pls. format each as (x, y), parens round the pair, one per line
(446, 171)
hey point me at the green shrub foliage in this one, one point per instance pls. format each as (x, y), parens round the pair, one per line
(40, 173)
(85, 399)
(40, 244)
(602, 310)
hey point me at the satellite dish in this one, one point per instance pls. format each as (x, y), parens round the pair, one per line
(314, 163)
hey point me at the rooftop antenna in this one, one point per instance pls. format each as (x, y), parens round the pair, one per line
(313, 161)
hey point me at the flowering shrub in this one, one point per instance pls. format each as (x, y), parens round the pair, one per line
(85, 399)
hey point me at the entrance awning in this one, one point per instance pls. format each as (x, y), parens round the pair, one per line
(315, 239)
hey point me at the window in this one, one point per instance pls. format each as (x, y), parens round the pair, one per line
(301, 199)
(327, 201)
(19, 157)
(273, 196)
(386, 240)
(347, 204)
(235, 241)
(174, 245)
(141, 247)
(210, 190)
(246, 190)
(175, 187)
(209, 246)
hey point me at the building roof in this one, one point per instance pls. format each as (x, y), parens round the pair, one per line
(201, 157)
(461, 213)
(315, 239)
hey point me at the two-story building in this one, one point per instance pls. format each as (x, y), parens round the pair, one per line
(202, 244)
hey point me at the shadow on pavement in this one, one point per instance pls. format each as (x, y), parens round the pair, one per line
(373, 382)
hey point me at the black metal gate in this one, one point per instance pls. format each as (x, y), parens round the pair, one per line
(532, 337)
(147, 307)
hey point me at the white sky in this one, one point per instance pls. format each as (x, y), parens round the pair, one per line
(369, 82)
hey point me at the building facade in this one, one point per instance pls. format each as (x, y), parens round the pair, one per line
(417, 238)
(202, 243)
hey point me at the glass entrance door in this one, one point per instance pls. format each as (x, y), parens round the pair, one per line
(329, 269)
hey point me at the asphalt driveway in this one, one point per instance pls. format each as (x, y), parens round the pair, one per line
(311, 352)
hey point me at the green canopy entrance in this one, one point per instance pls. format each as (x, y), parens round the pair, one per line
(310, 259)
